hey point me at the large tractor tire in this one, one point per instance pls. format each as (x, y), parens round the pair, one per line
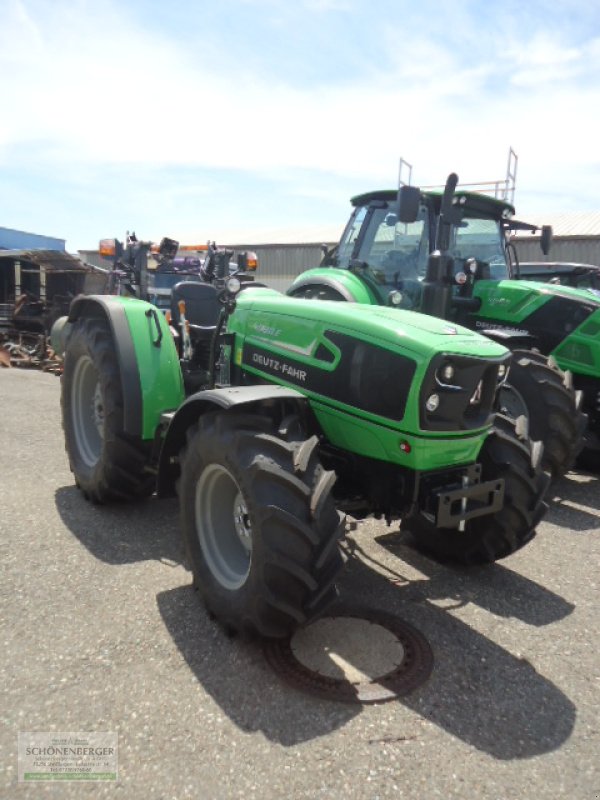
(539, 390)
(107, 463)
(485, 539)
(259, 523)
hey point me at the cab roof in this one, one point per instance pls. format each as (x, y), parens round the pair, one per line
(475, 204)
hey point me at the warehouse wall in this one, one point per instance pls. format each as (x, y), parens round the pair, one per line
(278, 264)
(582, 250)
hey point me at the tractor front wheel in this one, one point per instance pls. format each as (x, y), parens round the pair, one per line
(107, 463)
(540, 391)
(259, 524)
(488, 538)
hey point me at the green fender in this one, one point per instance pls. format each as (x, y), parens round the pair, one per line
(148, 360)
(350, 287)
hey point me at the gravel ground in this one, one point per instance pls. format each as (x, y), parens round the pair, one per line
(102, 632)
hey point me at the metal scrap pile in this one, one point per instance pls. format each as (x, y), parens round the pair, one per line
(36, 287)
(21, 349)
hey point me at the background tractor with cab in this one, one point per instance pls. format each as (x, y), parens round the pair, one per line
(448, 254)
(273, 417)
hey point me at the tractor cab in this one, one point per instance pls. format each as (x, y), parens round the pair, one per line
(391, 236)
(392, 253)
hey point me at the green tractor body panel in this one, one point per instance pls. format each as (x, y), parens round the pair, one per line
(563, 321)
(352, 287)
(147, 357)
(377, 439)
(158, 365)
(363, 370)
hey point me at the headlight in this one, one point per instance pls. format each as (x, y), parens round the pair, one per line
(432, 402)
(448, 372)
(233, 285)
(445, 376)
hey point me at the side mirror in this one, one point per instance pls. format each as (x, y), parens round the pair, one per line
(408, 203)
(546, 239)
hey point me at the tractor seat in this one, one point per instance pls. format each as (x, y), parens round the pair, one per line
(202, 307)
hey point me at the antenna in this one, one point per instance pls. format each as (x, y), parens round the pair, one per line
(511, 176)
(405, 167)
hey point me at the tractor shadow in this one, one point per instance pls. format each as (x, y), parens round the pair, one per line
(478, 691)
(575, 502)
(493, 587)
(124, 533)
(235, 673)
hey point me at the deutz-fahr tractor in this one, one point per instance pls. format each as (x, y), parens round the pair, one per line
(449, 254)
(285, 416)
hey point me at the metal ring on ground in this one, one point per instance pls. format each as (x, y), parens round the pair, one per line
(412, 649)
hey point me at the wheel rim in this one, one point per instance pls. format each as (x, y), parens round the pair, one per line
(223, 526)
(512, 403)
(88, 411)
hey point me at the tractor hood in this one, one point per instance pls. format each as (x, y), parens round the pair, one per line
(516, 300)
(399, 369)
(298, 325)
(591, 296)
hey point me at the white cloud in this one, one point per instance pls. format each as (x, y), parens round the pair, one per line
(89, 87)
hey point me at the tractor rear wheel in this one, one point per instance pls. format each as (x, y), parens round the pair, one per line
(108, 464)
(540, 391)
(488, 538)
(259, 523)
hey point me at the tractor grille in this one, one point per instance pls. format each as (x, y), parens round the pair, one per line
(466, 400)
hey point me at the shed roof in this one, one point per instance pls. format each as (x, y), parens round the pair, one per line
(51, 260)
(569, 223)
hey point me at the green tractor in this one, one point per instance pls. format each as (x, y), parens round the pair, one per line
(273, 417)
(449, 254)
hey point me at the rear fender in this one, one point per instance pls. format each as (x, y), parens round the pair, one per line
(148, 360)
(266, 397)
(342, 283)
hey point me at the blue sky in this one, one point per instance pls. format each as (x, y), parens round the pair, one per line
(257, 120)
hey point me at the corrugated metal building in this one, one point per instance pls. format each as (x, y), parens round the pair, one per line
(576, 238)
(278, 264)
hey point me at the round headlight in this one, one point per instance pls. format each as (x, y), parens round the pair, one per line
(395, 298)
(432, 402)
(460, 278)
(447, 373)
(233, 285)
